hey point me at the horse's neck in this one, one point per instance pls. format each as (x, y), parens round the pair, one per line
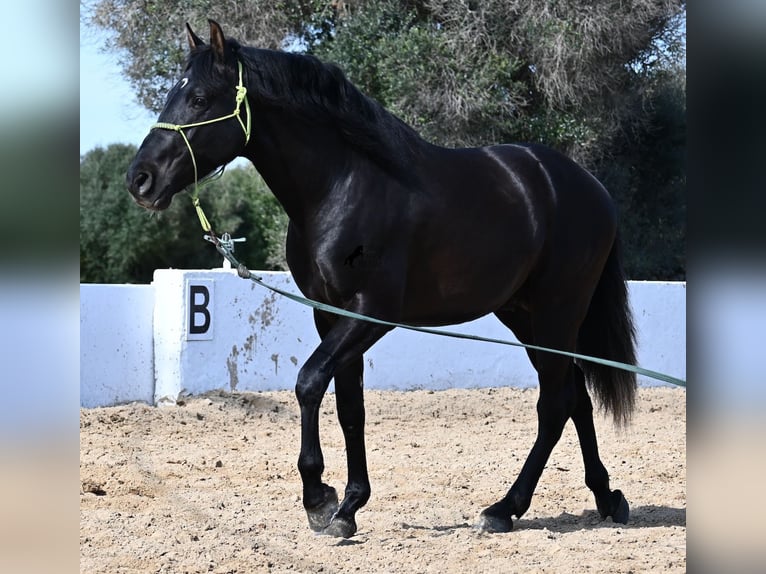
(297, 161)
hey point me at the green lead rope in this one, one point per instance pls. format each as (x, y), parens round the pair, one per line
(225, 248)
(201, 214)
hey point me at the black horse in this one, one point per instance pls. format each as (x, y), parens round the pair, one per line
(520, 231)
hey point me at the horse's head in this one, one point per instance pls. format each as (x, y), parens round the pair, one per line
(205, 124)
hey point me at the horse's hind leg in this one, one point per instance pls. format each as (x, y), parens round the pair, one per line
(596, 476)
(555, 405)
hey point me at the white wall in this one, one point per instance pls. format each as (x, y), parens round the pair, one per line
(116, 344)
(256, 340)
(659, 312)
(213, 330)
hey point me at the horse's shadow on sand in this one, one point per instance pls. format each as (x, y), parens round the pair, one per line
(640, 517)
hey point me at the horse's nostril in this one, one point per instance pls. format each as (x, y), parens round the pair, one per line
(142, 183)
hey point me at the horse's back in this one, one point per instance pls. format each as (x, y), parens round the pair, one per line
(524, 213)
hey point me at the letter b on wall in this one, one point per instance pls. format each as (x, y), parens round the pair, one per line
(199, 309)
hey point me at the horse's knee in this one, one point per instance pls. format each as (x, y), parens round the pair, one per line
(311, 384)
(307, 392)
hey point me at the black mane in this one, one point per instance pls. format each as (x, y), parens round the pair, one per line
(321, 92)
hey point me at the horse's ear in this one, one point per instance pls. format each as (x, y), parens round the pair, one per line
(194, 40)
(217, 41)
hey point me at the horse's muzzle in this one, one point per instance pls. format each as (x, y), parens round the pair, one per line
(141, 184)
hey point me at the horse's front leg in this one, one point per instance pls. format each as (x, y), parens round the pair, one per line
(320, 500)
(349, 398)
(338, 355)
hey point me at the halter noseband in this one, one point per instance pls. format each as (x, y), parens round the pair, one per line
(240, 97)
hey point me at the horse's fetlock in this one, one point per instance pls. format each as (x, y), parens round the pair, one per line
(310, 467)
(597, 480)
(519, 504)
(359, 493)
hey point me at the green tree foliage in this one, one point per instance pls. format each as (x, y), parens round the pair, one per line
(598, 80)
(646, 170)
(122, 243)
(148, 36)
(412, 66)
(242, 205)
(464, 72)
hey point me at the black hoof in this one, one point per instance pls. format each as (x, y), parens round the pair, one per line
(621, 512)
(340, 528)
(493, 524)
(618, 509)
(321, 515)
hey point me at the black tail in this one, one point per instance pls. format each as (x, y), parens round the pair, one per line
(608, 333)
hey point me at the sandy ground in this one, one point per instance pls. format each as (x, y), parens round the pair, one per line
(212, 486)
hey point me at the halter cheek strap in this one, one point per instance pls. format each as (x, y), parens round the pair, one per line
(240, 97)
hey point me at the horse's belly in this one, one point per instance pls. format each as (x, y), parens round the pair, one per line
(456, 291)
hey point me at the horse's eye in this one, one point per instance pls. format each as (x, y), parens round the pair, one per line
(199, 102)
